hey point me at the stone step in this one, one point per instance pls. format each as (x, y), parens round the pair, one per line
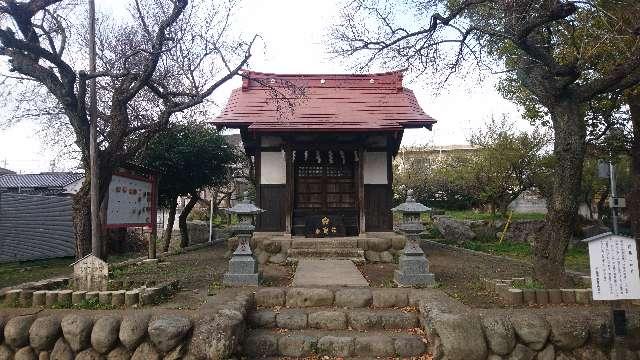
(327, 253)
(309, 343)
(325, 243)
(334, 319)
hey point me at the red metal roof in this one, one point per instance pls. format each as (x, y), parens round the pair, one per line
(367, 102)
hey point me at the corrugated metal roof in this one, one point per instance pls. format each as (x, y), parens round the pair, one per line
(42, 180)
(6, 171)
(368, 102)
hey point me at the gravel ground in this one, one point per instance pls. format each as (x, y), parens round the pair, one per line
(200, 275)
(457, 273)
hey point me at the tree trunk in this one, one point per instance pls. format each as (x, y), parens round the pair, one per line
(82, 220)
(81, 209)
(633, 205)
(569, 147)
(166, 237)
(182, 219)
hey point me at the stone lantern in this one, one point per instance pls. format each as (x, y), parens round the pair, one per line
(413, 265)
(243, 267)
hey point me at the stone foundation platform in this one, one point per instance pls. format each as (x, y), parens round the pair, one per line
(275, 248)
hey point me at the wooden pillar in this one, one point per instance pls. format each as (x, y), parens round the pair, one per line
(288, 207)
(257, 162)
(360, 185)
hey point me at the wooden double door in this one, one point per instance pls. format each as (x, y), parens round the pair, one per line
(325, 189)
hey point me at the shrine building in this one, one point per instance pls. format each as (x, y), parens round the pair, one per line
(323, 146)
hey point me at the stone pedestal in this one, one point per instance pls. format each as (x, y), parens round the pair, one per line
(243, 267)
(413, 267)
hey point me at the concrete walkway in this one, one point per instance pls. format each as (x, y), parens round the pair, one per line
(316, 272)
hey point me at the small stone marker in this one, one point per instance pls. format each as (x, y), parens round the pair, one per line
(555, 296)
(12, 297)
(26, 298)
(131, 298)
(64, 297)
(90, 274)
(104, 297)
(542, 297)
(78, 297)
(614, 267)
(117, 298)
(39, 298)
(51, 298)
(514, 297)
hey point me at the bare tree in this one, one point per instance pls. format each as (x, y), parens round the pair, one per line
(167, 58)
(548, 45)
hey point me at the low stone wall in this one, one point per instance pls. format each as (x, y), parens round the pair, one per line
(64, 298)
(457, 333)
(515, 296)
(382, 247)
(137, 335)
(198, 233)
(338, 297)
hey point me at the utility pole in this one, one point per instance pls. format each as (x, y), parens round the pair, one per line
(614, 206)
(96, 246)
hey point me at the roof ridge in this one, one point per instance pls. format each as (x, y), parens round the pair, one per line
(261, 80)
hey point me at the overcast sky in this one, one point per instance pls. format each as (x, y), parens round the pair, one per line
(293, 33)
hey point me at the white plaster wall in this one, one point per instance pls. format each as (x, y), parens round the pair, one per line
(74, 187)
(272, 168)
(269, 140)
(375, 168)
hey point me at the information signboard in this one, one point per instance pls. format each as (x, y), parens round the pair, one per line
(131, 201)
(614, 267)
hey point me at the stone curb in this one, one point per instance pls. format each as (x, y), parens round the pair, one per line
(514, 296)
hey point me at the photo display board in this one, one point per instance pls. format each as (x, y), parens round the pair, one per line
(131, 201)
(614, 267)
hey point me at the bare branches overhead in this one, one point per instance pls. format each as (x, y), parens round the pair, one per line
(166, 58)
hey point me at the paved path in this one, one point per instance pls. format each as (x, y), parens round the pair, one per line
(316, 272)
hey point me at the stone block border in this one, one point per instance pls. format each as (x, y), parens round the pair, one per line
(130, 334)
(337, 297)
(144, 295)
(511, 295)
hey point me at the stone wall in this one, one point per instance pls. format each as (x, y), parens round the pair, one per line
(198, 233)
(459, 231)
(138, 335)
(580, 333)
(377, 247)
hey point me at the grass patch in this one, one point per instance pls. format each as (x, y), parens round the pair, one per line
(19, 272)
(24, 271)
(479, 215)
(576, 258)
(511, 249)
(92, 304)
(527, 284)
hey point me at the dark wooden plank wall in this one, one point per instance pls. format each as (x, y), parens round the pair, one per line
(272, 199)
(378, 201)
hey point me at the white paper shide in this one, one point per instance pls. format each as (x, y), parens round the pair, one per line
(614, 267)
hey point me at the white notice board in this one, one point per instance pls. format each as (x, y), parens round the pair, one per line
(614, 267)
(130, 201)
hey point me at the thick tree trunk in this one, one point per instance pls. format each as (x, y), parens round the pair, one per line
(182, 219)
(166, 237)
(569, 146)
(633, 205)
(82, 220)
(81, 209)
